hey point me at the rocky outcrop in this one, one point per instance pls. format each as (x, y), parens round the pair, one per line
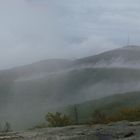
(115, 131)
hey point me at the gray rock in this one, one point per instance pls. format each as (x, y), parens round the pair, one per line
(116, 131)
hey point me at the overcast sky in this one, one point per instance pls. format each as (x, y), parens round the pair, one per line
(32, 30)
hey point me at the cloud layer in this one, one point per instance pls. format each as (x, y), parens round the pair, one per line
(31, 30)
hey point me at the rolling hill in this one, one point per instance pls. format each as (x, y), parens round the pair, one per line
(109, 105)
(127, 56)
(27, 92)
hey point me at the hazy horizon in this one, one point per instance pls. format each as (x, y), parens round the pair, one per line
(34, 30)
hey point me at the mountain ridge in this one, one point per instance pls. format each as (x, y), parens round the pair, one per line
(42, 86)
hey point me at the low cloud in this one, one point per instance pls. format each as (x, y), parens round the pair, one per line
(32, 30)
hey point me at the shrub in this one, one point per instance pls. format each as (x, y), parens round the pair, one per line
(57, 119)
(129, 114)
(98, 117)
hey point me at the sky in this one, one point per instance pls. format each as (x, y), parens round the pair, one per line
(33, 30)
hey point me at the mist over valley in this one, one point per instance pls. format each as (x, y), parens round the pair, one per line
(32, 90)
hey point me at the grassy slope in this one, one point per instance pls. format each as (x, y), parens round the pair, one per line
(106, 104)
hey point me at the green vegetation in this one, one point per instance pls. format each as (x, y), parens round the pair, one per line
(57, 119)
(105, 110)
(129, 114)
(107, 105)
